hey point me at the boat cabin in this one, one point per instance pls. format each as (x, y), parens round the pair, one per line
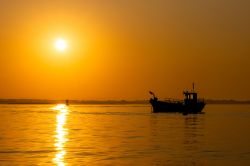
(190, 97)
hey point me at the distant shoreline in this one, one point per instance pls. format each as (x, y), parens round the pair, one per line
(103, 102)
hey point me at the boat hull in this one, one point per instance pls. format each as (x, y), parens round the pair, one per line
(179, 107)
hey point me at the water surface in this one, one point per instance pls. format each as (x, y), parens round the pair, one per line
(123, 135)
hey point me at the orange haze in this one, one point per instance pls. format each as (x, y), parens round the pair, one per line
(121, 49)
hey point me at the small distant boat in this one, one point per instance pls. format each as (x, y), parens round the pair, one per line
(190, 104)
(67, 102)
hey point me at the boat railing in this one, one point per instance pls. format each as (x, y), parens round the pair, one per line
(171, 100)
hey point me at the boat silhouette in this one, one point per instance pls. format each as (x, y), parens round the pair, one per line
(67, 102)
(190, 105)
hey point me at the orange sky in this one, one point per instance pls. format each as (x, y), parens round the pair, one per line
(121, 49)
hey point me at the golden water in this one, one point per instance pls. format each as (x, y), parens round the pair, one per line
(123, 135)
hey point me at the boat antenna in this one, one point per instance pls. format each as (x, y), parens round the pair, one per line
(152, 94)
(193, 86)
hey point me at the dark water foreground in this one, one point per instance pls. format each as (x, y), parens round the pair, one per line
(123, 135)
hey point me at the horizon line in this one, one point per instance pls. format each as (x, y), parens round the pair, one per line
(110, 101)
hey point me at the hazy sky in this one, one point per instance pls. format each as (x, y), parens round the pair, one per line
(121, 49)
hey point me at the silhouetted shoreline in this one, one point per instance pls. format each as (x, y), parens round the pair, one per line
(111, 102)
(44, 101)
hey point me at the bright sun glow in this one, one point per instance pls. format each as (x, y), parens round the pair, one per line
(61, 45)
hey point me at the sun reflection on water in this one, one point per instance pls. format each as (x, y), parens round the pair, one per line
(61, 134)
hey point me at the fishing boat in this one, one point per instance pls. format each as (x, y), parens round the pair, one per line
(190, 105)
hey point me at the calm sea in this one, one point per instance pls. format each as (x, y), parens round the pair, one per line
(123, 135)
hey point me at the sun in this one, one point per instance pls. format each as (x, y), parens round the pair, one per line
(61, 44)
